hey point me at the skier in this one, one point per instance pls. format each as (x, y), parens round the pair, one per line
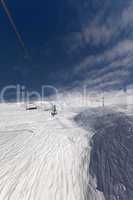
(54, 110)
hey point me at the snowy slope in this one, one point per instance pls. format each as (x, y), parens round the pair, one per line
(43, 157)
(111, 153)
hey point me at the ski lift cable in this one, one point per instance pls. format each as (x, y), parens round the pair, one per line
(21, 42)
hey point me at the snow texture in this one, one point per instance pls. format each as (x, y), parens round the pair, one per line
(111, 160)
(44, 157)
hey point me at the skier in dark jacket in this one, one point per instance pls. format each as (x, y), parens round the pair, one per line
(54, 110)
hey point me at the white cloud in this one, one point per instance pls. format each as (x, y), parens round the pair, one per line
(117, 64)
(127, 15)
(113, 65)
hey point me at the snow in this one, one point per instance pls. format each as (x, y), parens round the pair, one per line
(42, 157)
(111, 153)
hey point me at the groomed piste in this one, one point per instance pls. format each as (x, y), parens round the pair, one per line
(43, 157)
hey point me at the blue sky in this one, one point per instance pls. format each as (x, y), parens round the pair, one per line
(70, 43)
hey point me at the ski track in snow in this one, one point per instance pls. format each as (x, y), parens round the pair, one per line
(41, 157)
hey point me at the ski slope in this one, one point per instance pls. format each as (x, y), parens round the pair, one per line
(43, 158)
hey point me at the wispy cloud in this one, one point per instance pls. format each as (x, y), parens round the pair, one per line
(106, 46)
